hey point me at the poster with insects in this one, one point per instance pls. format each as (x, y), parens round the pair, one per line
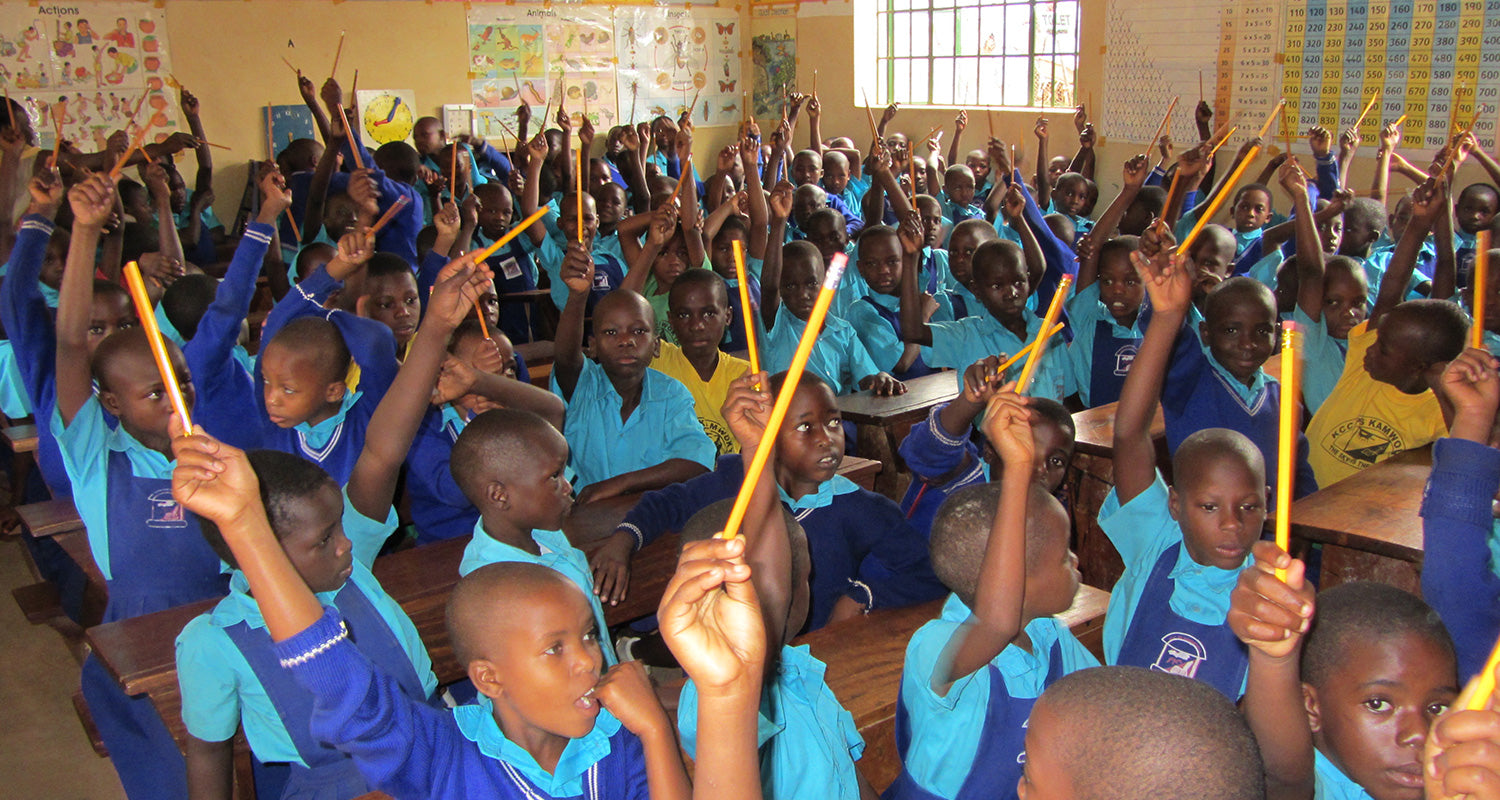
(671, 56)
(86, 70)
(540, 54)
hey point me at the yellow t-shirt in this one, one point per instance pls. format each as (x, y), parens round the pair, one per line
(1364, 422)
(708, 396)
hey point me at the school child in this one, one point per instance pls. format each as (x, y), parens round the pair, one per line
(1182, 547)
(1000, 280)
(839, 358)
(1330, 298)
(809, 742)
(393, 169)
(1341, 701)
(1460, 579)
(971, 677)
(661, 261)
(959, 193)
(144, 543)
(836, 180)
(807, 170)
(631, 429)
(965, 238)
(943, 457)
(300, 375)
(479, 374)
(698, 309)
(1383, 402)
(197, 225)
(388, 295)
(1473, 211)
(864, 555)
(541, 726)
(608, 273)
(1070, 198)
(876, 318)
(1167, 738)
(225, 662)
(514, 265)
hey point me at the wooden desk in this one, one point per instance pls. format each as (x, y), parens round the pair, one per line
(1369, 523)
(536, 354)
(140, 652)
(884, 421)
(1091, 476)
(865, 656)
(22, 438)
(50, 517)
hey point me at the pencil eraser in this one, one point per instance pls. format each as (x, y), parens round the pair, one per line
(835, 271)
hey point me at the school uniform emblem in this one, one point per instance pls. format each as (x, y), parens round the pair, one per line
(1181, 654)
(164, 510)
(1124, 357)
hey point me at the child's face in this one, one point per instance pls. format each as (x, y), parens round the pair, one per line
(1053, 580)
(829, 236)
(698, 314)
(339, 216)
(1120, 288)
(178, 190)
(801, 277)
(978, 163)
(1399, 218)
(810, 446)
(599, 176)
(315, 542)
(1331, 234)
(495, 210)
(427, 136)
(625, 339)
(721, 255)
(806, 168)
(1476, 209)
(1221, 508)
(1371, 716)
(1002, 286)
(835, 175)
(1045, 776)
(548, 661)
(295, 390)
(1054, 450)
(1344, 303)
(392, 300)
(1252, 210)
(1359, 234)
(110, 312)
(53, 262)
(1212, 261)
(932, 224)
(804, 202)
(880, 263)
(610, 200)
(137, 396)
(961, 247)
(671, 262)
(1241, 334)
(959, 187)
(539, 496)
(569, 222)
(1071, 197)
(1056, 166)
(1395, 358)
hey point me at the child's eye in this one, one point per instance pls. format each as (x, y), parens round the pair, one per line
(96, 330)
(802, 427)
(1209, 507)
(591, 635)
(1378, 704)
(1437, 709)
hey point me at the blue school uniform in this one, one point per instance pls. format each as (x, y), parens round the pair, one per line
(970, 743)
(399, 236)
(941, 463)
(957, 213)
(853, 195)
(850, 532)
(13, 401)
(959, 344)
(734, 332)
(203, 251)
(335, 443)
(408, 749)
(807, 739)
(439, 509)
(1322, 359)
(28, 321)
(876, 320)
(1200, 393)
(838, 357)
(225, 389)
(1168, 612)
(1330, 782)
(229, 676)
(663, 426)
(152, 557)
(1458, 535)
(557, 553)
(1102, 349)
(515, 271)
(609, 272)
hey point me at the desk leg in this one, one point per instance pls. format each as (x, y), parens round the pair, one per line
(1344, 564)
(1090, 479)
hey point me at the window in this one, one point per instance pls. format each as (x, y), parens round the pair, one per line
(1015, 53)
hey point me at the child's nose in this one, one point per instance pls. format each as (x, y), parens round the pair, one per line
(1411, 730)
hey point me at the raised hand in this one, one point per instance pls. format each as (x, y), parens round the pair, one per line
(1080, 118)
(982, 379)
(1007, 426)
(710, 617)
(746, 408)
(889, 114)
(92, 200)
(910, 232)
(1136, 170)
(212, 479)
(578, 269)
(780, 200)
(1267, 613)
(1040, 128)
(1320, 140)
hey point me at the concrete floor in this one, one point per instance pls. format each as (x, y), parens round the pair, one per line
(43, 750)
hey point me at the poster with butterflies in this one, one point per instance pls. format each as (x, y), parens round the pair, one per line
(671, 56)
(88, 69)
(539, 54)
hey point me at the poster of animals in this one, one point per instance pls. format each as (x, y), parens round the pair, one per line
(86, 70)
(539, 54)
(670, 57)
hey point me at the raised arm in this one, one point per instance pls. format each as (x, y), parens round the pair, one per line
(1136, 170)
(1169, 284)
(309, 94)
(166, 227)
(1309, 245)
(536, 158)
(1430, 200)
(780, 207)
(960, 124)
(92, 199)
(914, 327)
(663, 225)
(578, 274)
(1389, 137)
(1043, 180)
(815, 125)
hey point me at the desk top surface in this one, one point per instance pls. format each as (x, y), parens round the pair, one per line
(1376, 510)
(921, 395)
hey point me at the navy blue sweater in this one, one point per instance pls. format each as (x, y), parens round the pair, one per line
(1457, 577)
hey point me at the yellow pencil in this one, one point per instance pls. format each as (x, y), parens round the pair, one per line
(1054, 309)
(1286, 450)
(147, 316)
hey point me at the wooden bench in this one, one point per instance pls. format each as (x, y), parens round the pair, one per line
(539, 356)
(1091, 476)
(50, 517)
(884, 421)
(22, 438)
(865, 656)
(1369, 523)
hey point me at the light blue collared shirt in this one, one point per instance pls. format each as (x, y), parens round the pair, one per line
(476, 721)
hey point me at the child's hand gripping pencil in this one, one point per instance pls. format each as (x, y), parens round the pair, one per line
(1462, 754)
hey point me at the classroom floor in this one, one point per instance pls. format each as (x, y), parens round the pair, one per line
(43, 750)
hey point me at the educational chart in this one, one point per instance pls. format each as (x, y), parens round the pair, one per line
(87, 69)
(540, 54)
(670, 57)
(775, 57)
(1437, 62)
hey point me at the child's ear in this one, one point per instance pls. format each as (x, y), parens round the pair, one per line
(1312, 706)
(656, 348)
(498, 494)
(335, 392)
(1202, 330)
(110, 401)
(486, 678)
(1174, 503)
